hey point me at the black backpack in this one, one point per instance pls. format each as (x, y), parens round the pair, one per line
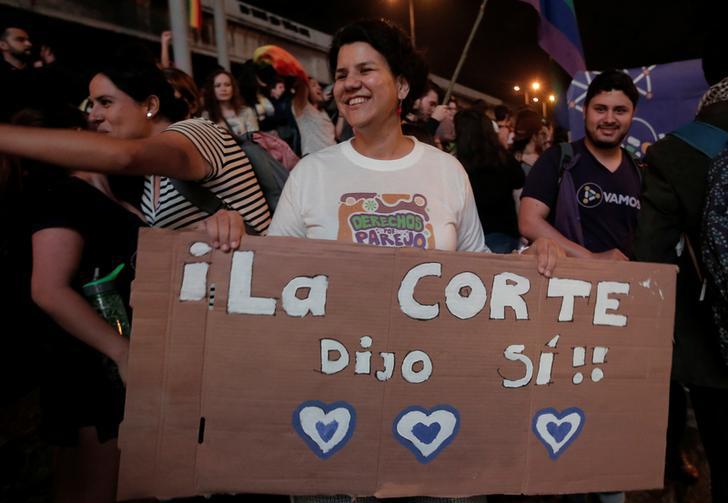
(271, 175)
(712, 142)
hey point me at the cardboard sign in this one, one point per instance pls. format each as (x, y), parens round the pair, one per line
(309, 367)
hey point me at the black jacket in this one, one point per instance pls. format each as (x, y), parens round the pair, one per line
(673, 197)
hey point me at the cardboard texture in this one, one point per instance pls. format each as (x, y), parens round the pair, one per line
(276, 422)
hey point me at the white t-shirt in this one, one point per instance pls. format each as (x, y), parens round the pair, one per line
(316, 128)
(421, 200)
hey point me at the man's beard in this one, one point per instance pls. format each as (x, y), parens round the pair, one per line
(24, 56)
(606, 145)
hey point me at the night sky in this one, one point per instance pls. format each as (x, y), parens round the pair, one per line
(505, 51)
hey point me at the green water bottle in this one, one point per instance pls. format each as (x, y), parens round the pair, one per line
(105, 298)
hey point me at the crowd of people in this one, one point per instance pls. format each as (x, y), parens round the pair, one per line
(81, 179)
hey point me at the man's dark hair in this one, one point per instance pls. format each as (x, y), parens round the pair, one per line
(5, 27)
(394, 45)
(612, 80)
(502, 113)
(431, 86)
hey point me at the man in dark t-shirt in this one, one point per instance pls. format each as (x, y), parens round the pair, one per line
(606, 187)
(606, 179)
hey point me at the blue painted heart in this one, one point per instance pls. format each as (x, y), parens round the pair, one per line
(325, 428)
(426, 432)
(557, 430)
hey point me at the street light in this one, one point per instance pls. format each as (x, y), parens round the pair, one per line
(535, 93)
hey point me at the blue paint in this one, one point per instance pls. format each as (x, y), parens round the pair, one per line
(426, 434)
(423, 432)
(558, 432)
(326, 431)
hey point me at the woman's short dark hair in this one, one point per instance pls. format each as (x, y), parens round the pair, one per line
(135, 72)
(394, 45)
(612, 80)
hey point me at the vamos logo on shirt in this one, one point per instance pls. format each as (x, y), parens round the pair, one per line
(591, 195)
(393, 220)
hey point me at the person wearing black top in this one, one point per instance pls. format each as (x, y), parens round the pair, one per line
(494, 175)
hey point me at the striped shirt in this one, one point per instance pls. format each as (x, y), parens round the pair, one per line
(231, 178)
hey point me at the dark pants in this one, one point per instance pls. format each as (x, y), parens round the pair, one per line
(711, 412)
(499, 242)
(676, 423)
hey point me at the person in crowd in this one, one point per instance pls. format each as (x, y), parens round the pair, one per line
(277, 89)
(494, 175)
(426, 114)
(282, 120)
(589, 223)
(376, 70)
(28, 80)
(669, 230)
(504, 121)
(135, 110)
(530, 136)
(16, 49)
(185, 89)
(78, 229)
(600, 168)
(165, 40)
(225, 106)
(445, 133)
(314, 124)
(250, 90)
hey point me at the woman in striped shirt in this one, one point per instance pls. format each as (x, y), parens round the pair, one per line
(135, 109)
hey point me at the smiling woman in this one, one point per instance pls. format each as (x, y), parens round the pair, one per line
(383, 188)
(144, 134)
(380, 172)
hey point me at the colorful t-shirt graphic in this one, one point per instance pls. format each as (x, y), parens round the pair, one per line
(392, 220)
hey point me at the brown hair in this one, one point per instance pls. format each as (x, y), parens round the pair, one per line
(210, 103)
(186, 87)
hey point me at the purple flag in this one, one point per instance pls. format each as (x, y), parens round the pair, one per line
(558, 33)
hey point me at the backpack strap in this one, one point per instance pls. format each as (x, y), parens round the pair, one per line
(566, 218)
(200, 196)
(704, 137)
(567, 155)
(270, 173)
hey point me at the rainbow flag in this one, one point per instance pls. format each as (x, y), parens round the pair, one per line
(195, 10)
(283, 62)
(558, 33)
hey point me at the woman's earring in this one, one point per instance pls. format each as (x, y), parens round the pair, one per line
(149, 115)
